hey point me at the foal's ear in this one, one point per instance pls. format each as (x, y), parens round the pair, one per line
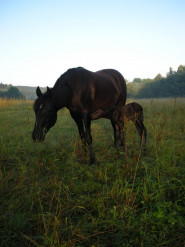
(49, 91)
(38, 92)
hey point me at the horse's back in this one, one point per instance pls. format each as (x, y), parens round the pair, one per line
(119, 82)
(93, 91)
(76, 77)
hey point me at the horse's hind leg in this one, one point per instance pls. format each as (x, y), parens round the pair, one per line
(87, 123)
(115, 129)
(142, 132)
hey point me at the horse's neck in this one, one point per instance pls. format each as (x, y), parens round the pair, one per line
(61, 96)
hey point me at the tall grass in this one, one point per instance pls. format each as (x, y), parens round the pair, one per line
(50, 196)
(4, 102)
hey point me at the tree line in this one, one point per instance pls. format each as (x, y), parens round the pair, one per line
(10, 92)
(173, 85)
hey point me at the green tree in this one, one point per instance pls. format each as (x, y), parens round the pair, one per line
(181, 69)
(158, 77)
(13, 93)
(138, 80)
(171, 86)
(8, 91)
(171, 72)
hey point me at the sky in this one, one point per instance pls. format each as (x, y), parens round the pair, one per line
(41, 39)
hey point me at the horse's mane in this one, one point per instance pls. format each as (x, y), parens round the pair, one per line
(68, 75)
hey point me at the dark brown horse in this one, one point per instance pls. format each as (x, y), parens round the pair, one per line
(134, 112)
(88, 96)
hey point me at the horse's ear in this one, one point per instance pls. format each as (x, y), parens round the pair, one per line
(38, 92)
(49, 91)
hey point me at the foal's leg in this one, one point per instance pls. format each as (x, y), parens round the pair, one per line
(144, 135)
(122, 135)
(142, 132)
(87, 123)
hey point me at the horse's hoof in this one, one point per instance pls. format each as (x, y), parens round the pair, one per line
(92, 161)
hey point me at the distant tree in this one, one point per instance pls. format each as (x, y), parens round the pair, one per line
(171, 72)
(138, 80)
(14, 93)
(158, 77)
(2, 94)
(171, 86)
(147, 80)
(181, 69)
(3, 86)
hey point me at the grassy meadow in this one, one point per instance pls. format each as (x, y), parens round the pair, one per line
(51, 196)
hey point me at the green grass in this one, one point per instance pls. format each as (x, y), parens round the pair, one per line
(51, 196)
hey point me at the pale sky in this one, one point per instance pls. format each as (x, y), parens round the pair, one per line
(41, 39)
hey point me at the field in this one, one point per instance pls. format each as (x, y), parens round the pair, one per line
(51, 196)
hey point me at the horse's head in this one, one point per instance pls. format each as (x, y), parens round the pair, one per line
(45, 113)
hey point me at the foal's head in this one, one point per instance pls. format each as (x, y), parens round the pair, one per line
(45, 113)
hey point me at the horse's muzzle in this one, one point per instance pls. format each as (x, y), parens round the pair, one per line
(38, 134)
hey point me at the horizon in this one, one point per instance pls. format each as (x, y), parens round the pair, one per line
(42, 87)
(41, 40)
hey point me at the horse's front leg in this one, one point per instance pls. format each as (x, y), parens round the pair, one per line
(87, 124)
(79, 123)
(122, 135)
